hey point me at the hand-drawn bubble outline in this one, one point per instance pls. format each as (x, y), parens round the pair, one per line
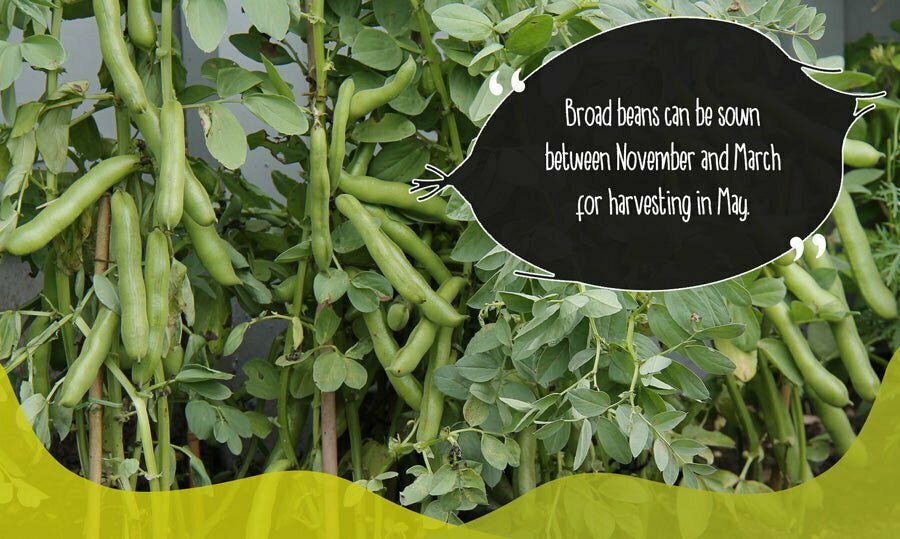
(435, 186)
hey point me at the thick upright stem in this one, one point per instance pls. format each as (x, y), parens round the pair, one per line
(318, 47)
(163, 431)
(55, 25)
(113, 430)
(163, 428)
(95, 413)
(165, 50)
(285, 439)
(318, 69)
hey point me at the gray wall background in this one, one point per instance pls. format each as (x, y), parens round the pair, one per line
(847, 20)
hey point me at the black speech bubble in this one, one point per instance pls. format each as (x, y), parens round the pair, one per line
(662, 62)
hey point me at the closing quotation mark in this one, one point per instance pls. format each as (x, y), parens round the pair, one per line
(797, 245)
(819, 241)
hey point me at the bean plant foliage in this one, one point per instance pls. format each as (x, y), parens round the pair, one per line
(732, 387)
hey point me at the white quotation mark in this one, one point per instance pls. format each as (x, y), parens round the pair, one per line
(797, 246)
(497, 89)
(517, 84)
(819, 241)
(493, 85)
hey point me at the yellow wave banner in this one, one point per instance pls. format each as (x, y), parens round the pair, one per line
(858, 497)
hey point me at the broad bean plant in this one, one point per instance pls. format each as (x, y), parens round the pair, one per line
(412, 358)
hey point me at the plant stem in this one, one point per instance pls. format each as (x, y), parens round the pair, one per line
(317, 419)
(773, 410)
(114, 390)
(166, 52)
(55, 26)
(163, 431)
(434, 64)
(800, 430)
(284, 436)
(163, 421)
(743, 415)
(63, 294)
(629, 344)
(193, 443)
(524, 479)
(113, 430)
(317, 65)
(144, 430)
(329, 433)
(318, 59)
(95, 412)
(667, 12)
(351, 410)
(254, 445)
(575, 10)
(284, 432)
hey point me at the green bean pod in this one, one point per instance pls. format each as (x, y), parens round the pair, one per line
(318, 197)
(407, 387)
(412, 244)
(398, 315)
(145, 115)
(825, 384)
(786, 259)
(211, 251)
(63, 211)
(170, 188)
(422, 337)
(196, 200)
(157, 269)
(835, 421)
(432, 410)
(365, 101)
(84, 369)
(805, 287)
(853, 352)
(140, 23)
(173, 361)
(396, 195)
(878, 296)
(396, 268)
(132, 293)
(128, 84)
(438, 309)
(389, 258)
(420, 340)
(339, 131)
(359, 165)
(859, 154)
